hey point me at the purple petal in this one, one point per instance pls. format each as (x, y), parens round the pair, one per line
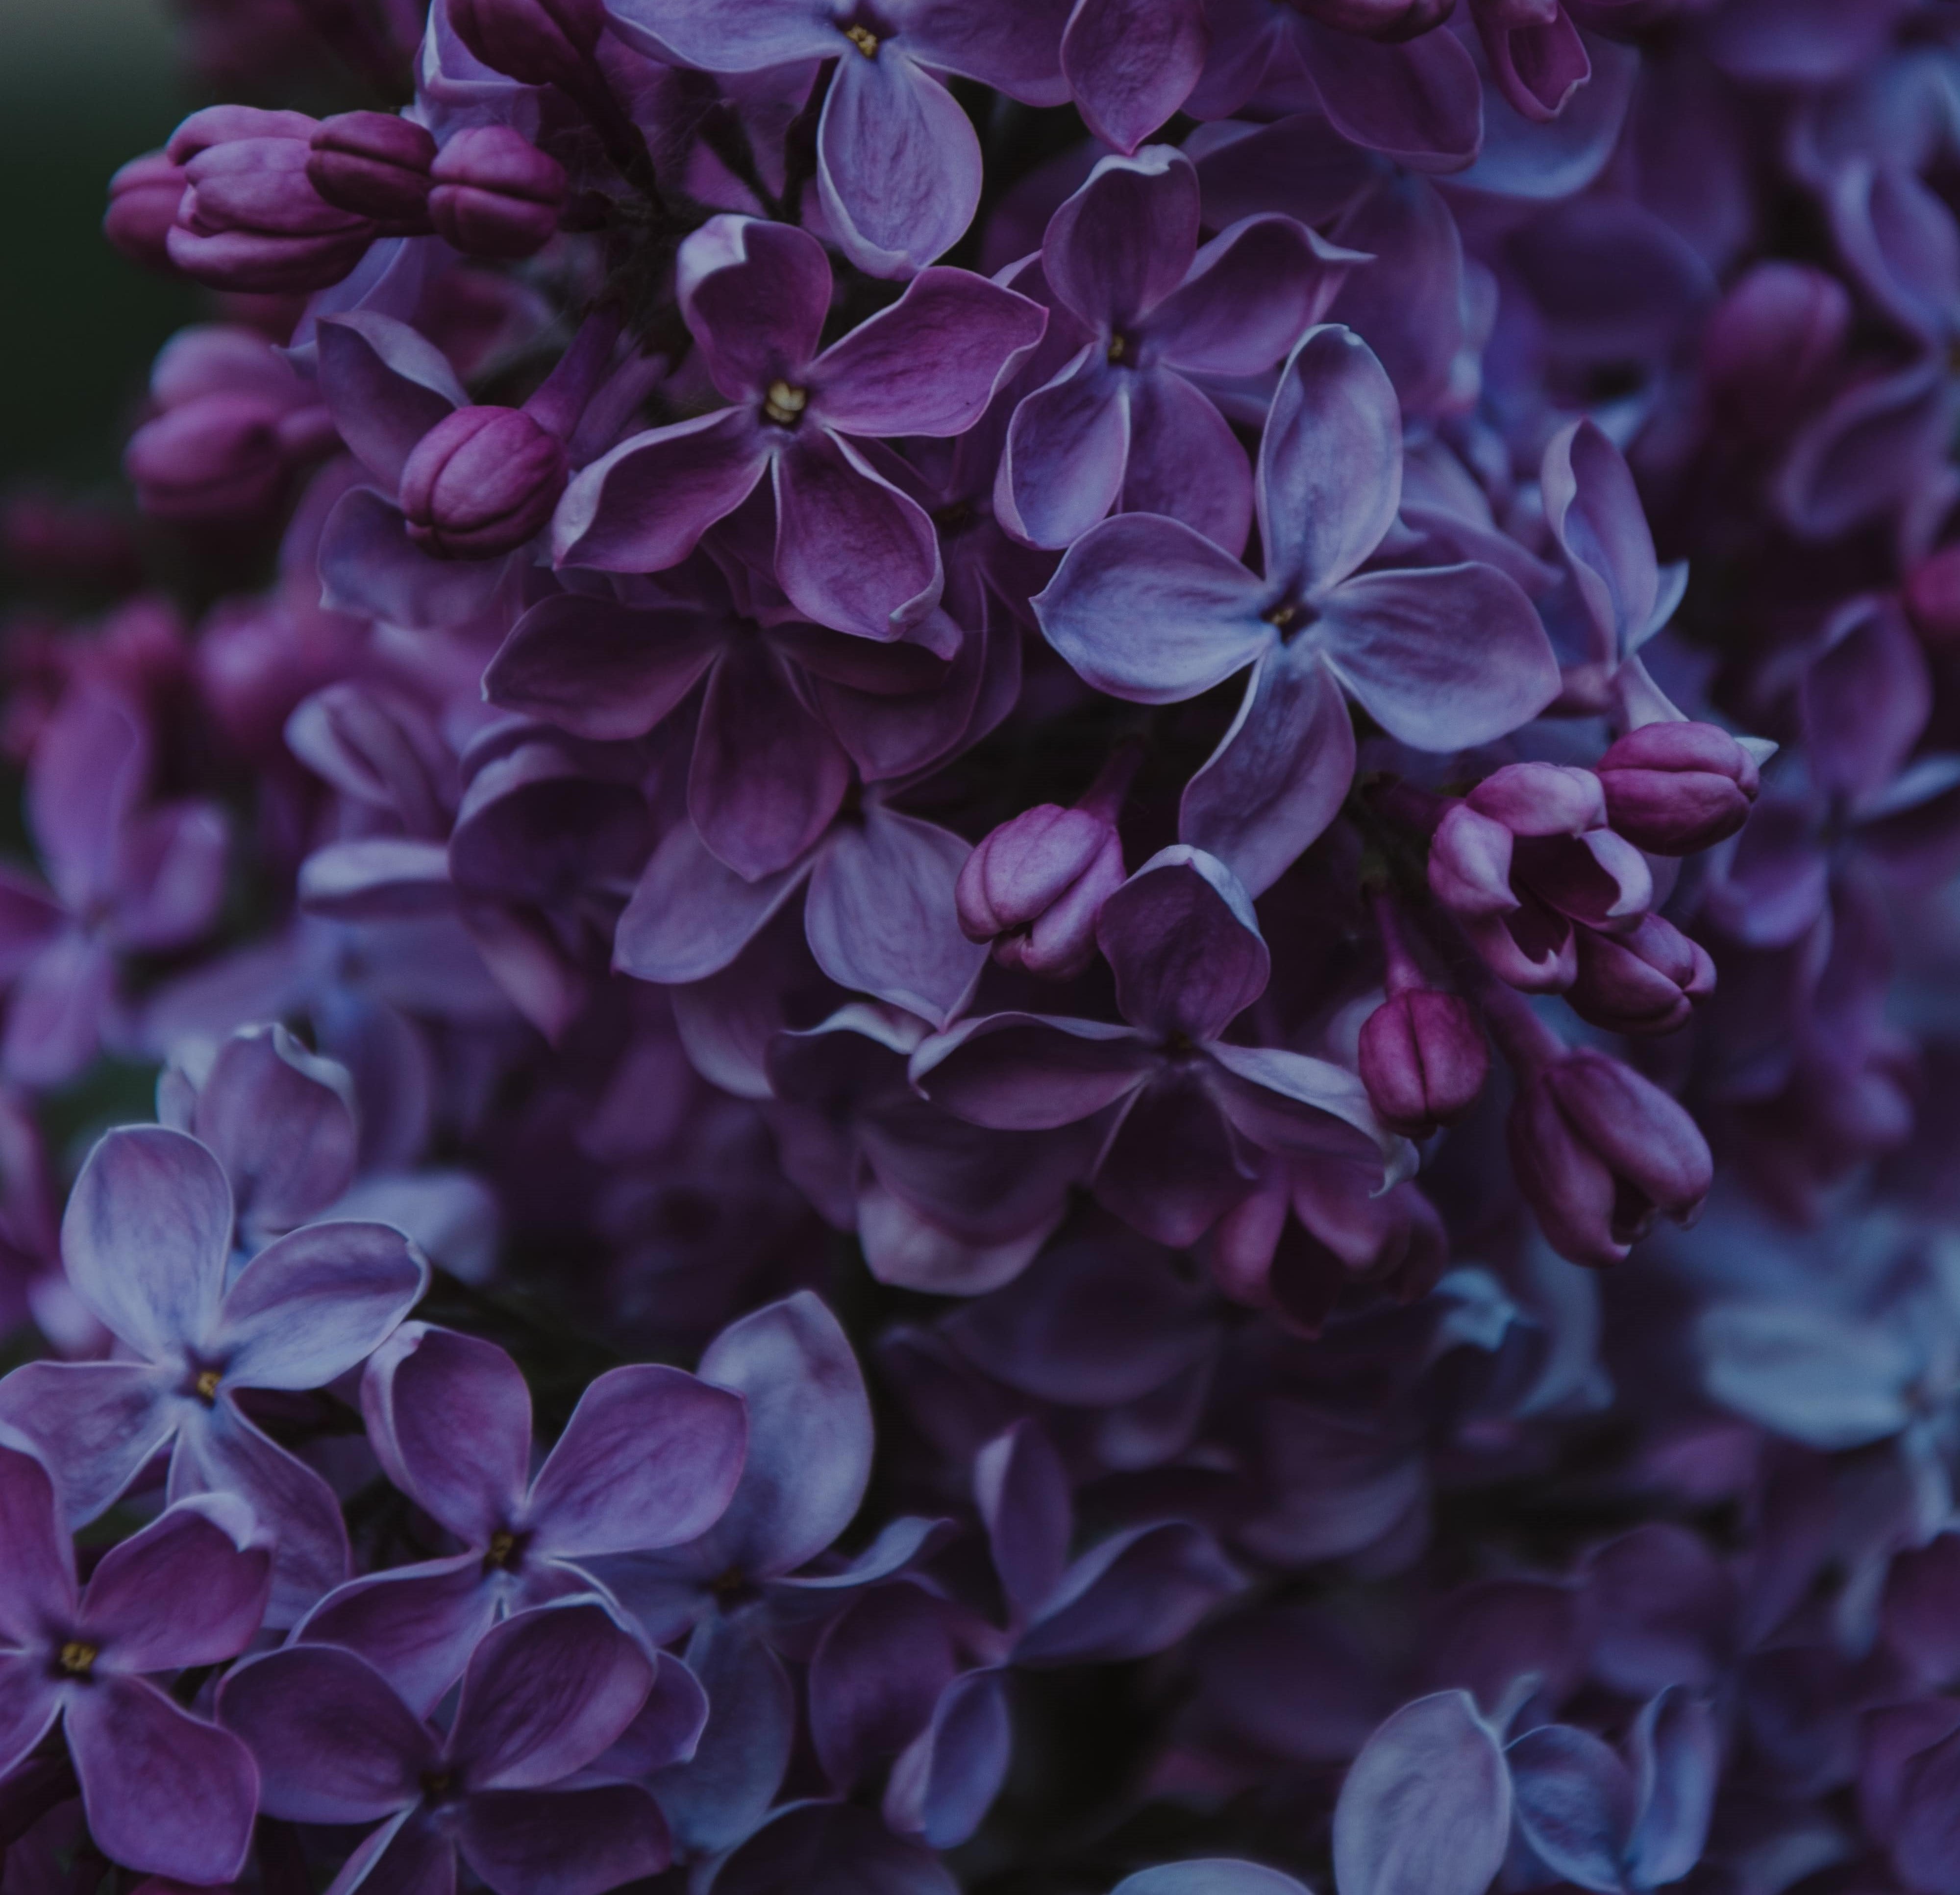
(946, 1782)
(1138, 1593)
(146, 1235)
(316, 1304)
(172, 876)
(1172, 1167)
(387, 385)
(1575, 1804)
(831, 1849)
(1067, 447)
(166, 1794)
(641, 507)
(416, 1625)
(1251, 292)
(188, 1589)
(449, 1418)
(1677, 1754)
(1426, 1808)
(409, 1855)
(1442, 658)
(874, 1677)
(55, 1021)
(1146, 609)
(37, 1582)
(1537, 66)
(1185, 945)
(83, 780)
(650, 1458)
(1025, 1072)
(692, 914)
(1218, 1876)
(30, 1703)
(755, 295)
(766, 777)
(381, 878)
(1124, 241)
(1185, 462)
(881, 918)
(600, 669)
(369, 567)
(96, 1424)
(1330, 474)
(1420, 102)
(1280, 773)
(580, 1842)
(719, 1796)
(1408, 301)
(1022, 1493)
(1131, 63)
(1288, 1102)
(1015, 48)
(717, 38)
(1300, 167)
(898, 164)
(545, 1693)
(29, 921)
(280, 1120)
(1865, 699)
(332, 1742)
(1595, 513)
(930, 363)
(852, 552)
(667, 1729)
(810, 1434)
(1867, 453)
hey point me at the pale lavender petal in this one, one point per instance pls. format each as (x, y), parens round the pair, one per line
(1280, 773)
(946, 1782)
(579, 1842)
(719, 1796)
(189, 1588)
(692, 914)
(1185, 945)
(378, 878)
(1677, 1755)
(852, 552)
(600, 669)
(1146, 609)
(1067, 445)
(280, 1119)
(146, 1238)
(96, 1424)
(1575, 1804)
(1123, 243)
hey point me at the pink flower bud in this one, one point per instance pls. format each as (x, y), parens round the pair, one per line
(217, 458)
(1674, 788)
(1423, 1059)
(375, 164)
(226, 124)
(481, 482)
(1387, 19)
(1933, 597)
(1600, 1153)
(143, 199)
(1470, 862)
(1771, 340)
(1643, 982)
(1034, 886)
(250, 218)
(1541, 799)
(496, 194)
(539, 42)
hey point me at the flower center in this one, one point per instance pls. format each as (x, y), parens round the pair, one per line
(1119, 347)
(77, 1659)
(864, 40)
(501, 1554)
(783, 404)
(437, 1784)
(1281, 617)
(205, 1386)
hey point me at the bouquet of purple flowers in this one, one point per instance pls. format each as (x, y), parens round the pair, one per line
(1046, 919)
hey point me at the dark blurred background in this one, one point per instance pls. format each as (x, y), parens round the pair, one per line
(83, 85)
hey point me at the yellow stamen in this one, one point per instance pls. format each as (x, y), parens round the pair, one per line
(206, 1386)
(783, 404)
(1281, 616)
(502, 1545)
(1119, 347)
(78, 1659)
(864, 40)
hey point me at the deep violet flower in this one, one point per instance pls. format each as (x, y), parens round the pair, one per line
(167, 1793)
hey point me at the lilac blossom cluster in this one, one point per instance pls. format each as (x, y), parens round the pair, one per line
(1046, 917)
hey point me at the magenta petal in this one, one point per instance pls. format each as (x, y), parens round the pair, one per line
(188, 1589)
(37, 1582)
(755, 295)
(449, 1418)
(416, 1625)
(852, 552)
(315, 1304)
(1184, 944)
(649, 1458)
(146, 1235)
(166, 1794)
(29, 1702)
(1279, 775)
(1025, 1072)
(96, 1424)
(766, 777)
(1123, 243)
(580, 1842)
(930, 363)
(1185, 462)
(386, 385)
(545, 1691)
(1146, 609)
(1444, 658)
(1131, 63)
(600, 669)
(83, 781)
(332, 1742)
(881, 918)
(641, 507)
(898, 164)
(55, 1020)
(1067, 445)
(1539, 66)
(692, 914)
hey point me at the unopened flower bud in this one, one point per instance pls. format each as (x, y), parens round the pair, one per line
(1386, 20)
(1423, 1059)
(1541, 799)
(538, 42)
(375, 164)
(1932, 598)
(1470, 862)
(496, 194)
(143, 199)
(1674, 788)
(1646, 981)
(1034, 886)
(217, 458)
(227, 124)
(1771, 339)
(1600, 1153)
(250, 218)
(481, 482)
